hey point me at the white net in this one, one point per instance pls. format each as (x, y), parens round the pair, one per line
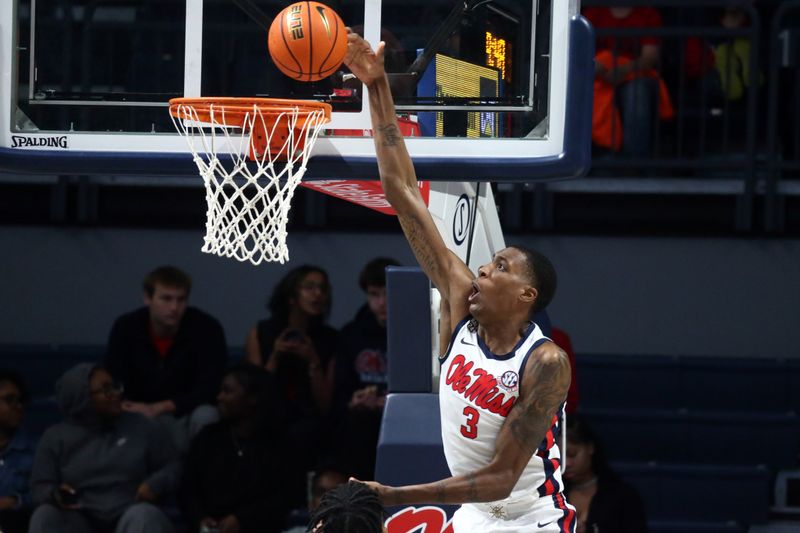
(251, 159)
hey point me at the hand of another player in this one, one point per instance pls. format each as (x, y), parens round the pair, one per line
(384, 491)
(365, 63)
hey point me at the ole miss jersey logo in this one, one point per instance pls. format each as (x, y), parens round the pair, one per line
(478, 386)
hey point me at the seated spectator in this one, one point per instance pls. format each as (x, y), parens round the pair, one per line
(102, 469)
(169, 356)
(324, 479)
(235, 470)
(625, 69)
(361, 374)
(16, 455)
(349, 508)
(602, 500)
(297, 348)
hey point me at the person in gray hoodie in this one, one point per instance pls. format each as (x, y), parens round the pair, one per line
(101, 469)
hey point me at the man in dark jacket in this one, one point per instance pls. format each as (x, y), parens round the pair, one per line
(101, 469)
(361, 373)
(169, 356)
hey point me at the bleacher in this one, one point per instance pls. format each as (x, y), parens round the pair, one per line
(701, 438)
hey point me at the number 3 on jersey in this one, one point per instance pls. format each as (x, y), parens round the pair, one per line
(470, 429)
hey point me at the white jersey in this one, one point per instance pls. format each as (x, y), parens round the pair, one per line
(477, 390)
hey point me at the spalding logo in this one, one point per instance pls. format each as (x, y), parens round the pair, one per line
(419, 520)
(19, 141)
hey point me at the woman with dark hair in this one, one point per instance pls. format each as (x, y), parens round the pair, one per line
(605, 503)
(297, 348)
(234, 473)
(16, 455)
(294, 344)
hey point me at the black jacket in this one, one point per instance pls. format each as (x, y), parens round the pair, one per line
(189, 375)
(223, 476)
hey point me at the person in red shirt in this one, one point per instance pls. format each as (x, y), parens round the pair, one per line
(634, 56)
(169, 355)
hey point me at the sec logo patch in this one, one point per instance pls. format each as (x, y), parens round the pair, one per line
(509, 381)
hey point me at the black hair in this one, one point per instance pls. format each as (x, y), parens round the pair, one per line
(374, 273)
(580, 432)
(13, 377)
(166, 275)
(280, 301)
(257, 384)
(542, 275)
(349, 508)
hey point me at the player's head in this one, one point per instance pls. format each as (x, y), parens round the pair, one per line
(349, 508)
(166, 293)
(305, 289)
(372, 281)
(518, 281)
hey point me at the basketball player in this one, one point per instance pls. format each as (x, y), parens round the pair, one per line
(503, 384)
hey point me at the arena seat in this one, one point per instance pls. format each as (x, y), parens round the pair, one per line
(700, 492)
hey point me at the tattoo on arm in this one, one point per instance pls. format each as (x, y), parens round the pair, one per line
(441, 492)
(472, 492)
(419, 245)
(550, 377)
(390, 134)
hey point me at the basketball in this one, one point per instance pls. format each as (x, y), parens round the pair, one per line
(307, 41)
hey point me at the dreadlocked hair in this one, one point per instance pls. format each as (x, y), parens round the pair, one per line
(352, 507)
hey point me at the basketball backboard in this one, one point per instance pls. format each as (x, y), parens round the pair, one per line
(495, 90)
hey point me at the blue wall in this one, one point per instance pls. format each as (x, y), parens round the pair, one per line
(633, 296)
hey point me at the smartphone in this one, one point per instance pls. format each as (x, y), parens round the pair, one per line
(294, 335)
(68, 499)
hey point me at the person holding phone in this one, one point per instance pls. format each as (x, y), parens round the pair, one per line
(297, 348)
(102, 468)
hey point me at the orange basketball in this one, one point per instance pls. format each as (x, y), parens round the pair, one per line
(307, 41)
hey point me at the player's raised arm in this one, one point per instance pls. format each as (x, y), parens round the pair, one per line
(446, 271)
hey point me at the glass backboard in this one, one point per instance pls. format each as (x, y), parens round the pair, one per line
(497, 90)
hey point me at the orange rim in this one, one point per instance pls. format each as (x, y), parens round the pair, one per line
(274, 113)
(236, 108)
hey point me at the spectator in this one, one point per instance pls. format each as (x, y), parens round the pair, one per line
(16, 455)
(102, 468)
(603, 501)
(297, 348)
(561, 338)
(625, 69)
(169, 356)
(361, 374)
(733, 56)
(349, 508)
(234, 472)
(326, 478)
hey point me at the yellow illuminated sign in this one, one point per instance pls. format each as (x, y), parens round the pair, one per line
(459, 79)
(497, 55)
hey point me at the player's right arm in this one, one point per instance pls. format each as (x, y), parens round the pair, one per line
(447, 272)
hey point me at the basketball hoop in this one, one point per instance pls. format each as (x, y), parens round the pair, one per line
(252, 154)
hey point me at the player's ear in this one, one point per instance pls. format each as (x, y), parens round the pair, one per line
(529, 294)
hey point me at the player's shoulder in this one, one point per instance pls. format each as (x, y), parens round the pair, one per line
(548, 353)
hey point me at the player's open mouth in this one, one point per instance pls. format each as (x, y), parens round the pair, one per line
(474, 293)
